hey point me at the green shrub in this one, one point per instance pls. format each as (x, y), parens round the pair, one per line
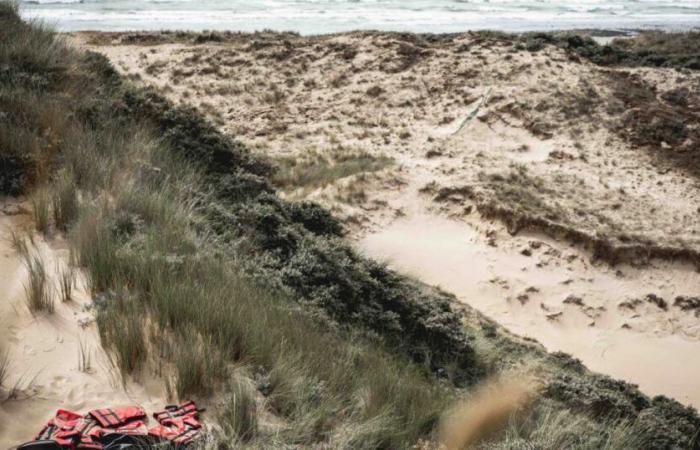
(327, 275)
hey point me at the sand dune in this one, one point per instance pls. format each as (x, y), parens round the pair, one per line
(56, 360)
(556, 297)
(481, 132)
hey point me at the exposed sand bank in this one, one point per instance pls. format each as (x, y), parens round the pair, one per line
(473, 123)
(566, 304)
(46, 371)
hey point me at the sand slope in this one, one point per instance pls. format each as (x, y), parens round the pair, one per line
(556, 297)
(45, 349)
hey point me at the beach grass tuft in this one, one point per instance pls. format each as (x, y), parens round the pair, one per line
(38, 291)
(41, 208)
(238, 417)
(66, 280)
(4, 364)
(317, 170)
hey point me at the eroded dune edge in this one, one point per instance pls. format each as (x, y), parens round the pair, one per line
(206, 280)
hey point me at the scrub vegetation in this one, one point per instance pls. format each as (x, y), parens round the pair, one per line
(647, 49)
(202, 275)
(317, 170)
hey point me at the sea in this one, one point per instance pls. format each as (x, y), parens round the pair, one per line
(329, 16)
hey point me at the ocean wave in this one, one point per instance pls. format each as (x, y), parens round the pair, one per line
(50, 2)
(321, 16)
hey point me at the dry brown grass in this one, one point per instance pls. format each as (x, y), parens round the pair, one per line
(484, 413)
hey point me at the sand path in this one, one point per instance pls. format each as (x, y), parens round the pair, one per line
(45, 371)
(556, 296)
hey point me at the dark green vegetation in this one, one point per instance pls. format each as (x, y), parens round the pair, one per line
(663, 122)
(203, 275)
(650, 49)
(647, 49)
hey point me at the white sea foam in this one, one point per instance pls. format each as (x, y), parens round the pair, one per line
(324, 16)
(50, 2)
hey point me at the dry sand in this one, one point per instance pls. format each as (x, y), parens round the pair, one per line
(545, 138)
(45, 372)
(558, 298)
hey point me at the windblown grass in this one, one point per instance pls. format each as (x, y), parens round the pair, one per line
(548, 427)
(317, 170)
(311, 377)
(41, 208)
(198, 366)
(66, 279)
(121, 325)
(4, 364)
(84, 357)
(38, 292)
(238, 417)
(19, 244)
(64, 201)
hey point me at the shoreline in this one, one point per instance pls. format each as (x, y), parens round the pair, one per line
(602, 33)
(336, 19)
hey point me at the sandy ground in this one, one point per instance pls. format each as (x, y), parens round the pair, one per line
(470, 121)
(597, 313)
(45, 371)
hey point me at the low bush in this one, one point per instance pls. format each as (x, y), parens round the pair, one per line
(650, 49)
